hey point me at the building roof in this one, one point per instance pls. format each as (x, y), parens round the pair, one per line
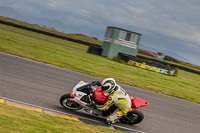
(124, 30)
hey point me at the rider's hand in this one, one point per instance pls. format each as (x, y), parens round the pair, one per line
(93, 105)
(96, 83)
(93, 83)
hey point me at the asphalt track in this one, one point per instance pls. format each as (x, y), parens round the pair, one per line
(42, 85)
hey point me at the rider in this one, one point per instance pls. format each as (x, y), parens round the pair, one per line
(117, 96)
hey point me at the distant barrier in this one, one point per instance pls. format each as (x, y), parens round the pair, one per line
(152, 68)
(156, 63)
(148, 64)
(95, 50)
(48, 33)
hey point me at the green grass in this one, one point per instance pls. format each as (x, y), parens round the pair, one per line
(42, 36)
(16, 120)
(185, 85)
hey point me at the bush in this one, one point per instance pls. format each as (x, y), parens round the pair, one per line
(118, 59)
(169, 58)
(176, 72)
(141, 51)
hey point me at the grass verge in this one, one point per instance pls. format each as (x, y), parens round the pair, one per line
(16, 120)
(185, 85)
(42, 36)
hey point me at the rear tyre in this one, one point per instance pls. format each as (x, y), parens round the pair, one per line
(67, 102)
(133, 117)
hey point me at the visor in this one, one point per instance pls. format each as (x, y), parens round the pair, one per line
(104, 88)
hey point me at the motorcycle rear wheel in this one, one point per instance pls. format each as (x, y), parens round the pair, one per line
(133, 117)
(67, 102)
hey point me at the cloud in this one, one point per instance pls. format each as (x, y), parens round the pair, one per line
(52, 4)
(135, 10)
(24, 8)
(191, 57)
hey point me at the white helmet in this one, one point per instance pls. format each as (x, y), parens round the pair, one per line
(108, 84)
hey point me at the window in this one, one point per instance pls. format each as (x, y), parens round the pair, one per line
(133, 38)
(128, 36)
(122, 35)
(109, 32)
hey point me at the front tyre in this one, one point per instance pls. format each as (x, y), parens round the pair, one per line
(67, 102)
(133, 117)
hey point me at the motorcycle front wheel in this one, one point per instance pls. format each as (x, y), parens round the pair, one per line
(133, 117)
(67, 102)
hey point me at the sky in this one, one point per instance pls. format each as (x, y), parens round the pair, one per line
(168, 26)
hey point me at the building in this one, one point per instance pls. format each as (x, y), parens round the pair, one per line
(118, 40)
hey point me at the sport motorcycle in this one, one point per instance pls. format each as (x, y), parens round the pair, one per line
(84, 94)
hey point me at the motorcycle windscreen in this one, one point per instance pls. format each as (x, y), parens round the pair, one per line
(99, 95)
(84, 88)
(137, 102)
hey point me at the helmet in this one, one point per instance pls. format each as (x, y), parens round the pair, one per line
(108, 84)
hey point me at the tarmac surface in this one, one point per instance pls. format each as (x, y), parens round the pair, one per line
(42, 85)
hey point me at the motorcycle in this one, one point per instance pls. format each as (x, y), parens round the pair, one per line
(83, 94)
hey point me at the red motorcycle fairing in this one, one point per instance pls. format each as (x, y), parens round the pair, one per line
(135, 102)
(71, 95)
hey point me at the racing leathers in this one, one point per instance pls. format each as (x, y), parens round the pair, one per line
(122, 101)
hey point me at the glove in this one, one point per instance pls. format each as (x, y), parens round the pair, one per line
(96, 83)
(93, 105)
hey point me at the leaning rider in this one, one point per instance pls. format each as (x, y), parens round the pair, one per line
(117, 96)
